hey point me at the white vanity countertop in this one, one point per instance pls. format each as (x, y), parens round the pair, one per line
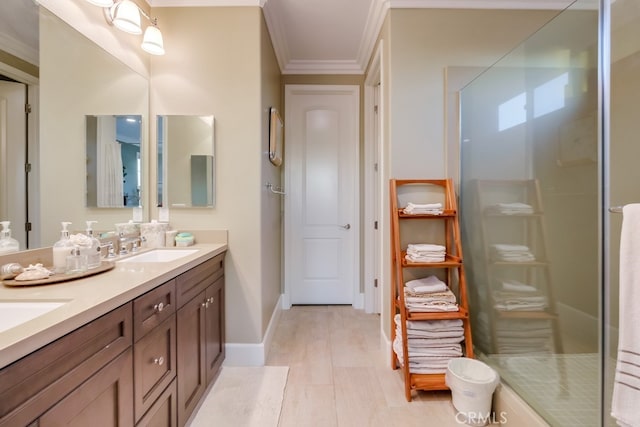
(88, 298)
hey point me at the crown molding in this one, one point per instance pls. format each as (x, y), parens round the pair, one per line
(276, 32)
(192, 3)
(297, 66)
(481, 4)
(375, 19)
(19, 49)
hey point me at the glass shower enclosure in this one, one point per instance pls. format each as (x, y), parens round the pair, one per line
(548, 150)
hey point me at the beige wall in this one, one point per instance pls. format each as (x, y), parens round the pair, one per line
(218, 62)
(271, 204)
(419, 45)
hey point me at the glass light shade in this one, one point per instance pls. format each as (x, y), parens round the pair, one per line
(101, 3)
(126, 17)
(152, 41)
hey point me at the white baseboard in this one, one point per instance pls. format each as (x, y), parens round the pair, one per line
(239, 354)
(359, 302)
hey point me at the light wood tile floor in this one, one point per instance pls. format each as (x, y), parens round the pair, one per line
(339, 374)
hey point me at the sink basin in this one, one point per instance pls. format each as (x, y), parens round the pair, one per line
(160, 255)
(14, 313)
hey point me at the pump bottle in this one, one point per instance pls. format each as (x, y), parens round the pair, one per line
(7, 243)
(93, 253)
(61, 249)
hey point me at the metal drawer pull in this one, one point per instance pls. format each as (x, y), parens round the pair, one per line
(158, 307)
(159, 361)
(211, 300)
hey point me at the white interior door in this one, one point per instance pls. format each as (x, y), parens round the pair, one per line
(321, 210)
(13, 144)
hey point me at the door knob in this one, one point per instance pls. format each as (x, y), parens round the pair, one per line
(346, 226)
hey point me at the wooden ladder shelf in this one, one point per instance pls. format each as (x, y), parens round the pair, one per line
(433, 228)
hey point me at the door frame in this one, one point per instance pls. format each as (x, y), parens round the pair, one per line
(357, 294)
(373, 158)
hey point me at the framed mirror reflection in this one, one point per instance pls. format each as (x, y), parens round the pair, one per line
(113, 160)
(186, 161)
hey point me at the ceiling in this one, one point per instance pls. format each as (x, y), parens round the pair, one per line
(338, 36)
(309, 36)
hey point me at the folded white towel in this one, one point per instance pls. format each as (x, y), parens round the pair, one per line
(430, 325)
(427, 208)
(514, 208)
(428, 284)
(425, 248)
(516, 286)
(626, 388)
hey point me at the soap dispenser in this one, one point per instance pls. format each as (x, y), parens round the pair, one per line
(76, 262)
(61, 249)
(93, 253)
(7, 243)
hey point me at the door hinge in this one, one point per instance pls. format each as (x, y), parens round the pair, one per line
(375, 167)
(27, 108)
(27, 226)
(375, 109)
(375, 283)
(27, 167)
(375, 225)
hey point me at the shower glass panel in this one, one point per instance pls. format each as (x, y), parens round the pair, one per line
(530, 211)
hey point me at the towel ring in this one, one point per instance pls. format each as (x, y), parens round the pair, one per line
(275, 190)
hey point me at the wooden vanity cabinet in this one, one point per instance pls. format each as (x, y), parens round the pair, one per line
(200, 321)
(31, 386)
(146, 363)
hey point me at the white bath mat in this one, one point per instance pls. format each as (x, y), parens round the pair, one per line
(244, 397)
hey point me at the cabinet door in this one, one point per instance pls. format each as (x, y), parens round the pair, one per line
(105, 399)
(191, 356)
(214, 328)
(163, 413)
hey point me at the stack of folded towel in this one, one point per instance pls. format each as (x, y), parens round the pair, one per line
(430, 343)
(524, 336)
(511, 253)
(425, 252)
(511, 208)
(428, 208)
(517, 296)
(429, 294)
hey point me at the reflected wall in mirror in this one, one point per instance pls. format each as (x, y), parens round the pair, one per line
(19, 71)
(65, 76)
(186, 161)
(78, 78)
(113, 161)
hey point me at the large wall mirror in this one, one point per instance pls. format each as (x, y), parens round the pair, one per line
(65, 77)
(186, 161)
(114, 169)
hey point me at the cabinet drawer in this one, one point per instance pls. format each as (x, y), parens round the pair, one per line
(196, 280)
(29, 386)
(153, 308)
(154, 364)
(163, 413)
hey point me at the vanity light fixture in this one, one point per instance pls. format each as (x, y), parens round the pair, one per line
(125, 15)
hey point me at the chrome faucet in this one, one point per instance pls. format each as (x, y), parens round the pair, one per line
(135, 241)
(111, 252)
